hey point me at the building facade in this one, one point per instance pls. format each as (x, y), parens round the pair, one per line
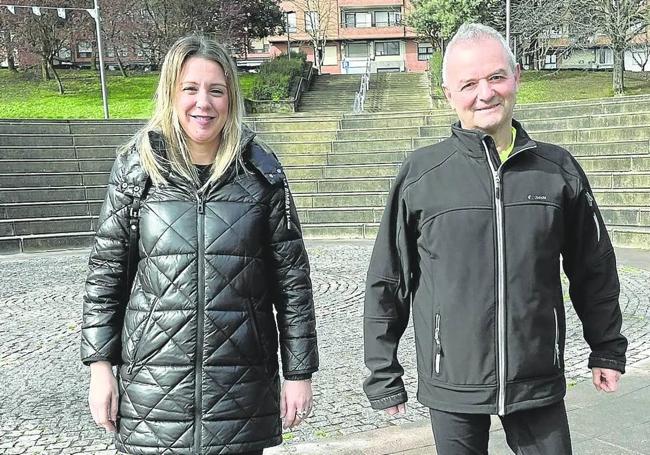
(351, 35)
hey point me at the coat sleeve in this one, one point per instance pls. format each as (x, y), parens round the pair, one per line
(387, 300)
(104, 299)
(293, 300)
(590, 265)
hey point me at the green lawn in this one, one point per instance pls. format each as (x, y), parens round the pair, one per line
(23, 95)
(540, 86)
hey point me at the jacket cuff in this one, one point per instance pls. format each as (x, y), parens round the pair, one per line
(596, 361)
(298, 377)
(389, 401)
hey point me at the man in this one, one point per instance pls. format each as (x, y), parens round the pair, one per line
(472, 236)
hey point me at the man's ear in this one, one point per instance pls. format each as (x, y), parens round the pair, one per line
(517, 75)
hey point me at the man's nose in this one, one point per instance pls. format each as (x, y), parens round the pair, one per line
(485, 91)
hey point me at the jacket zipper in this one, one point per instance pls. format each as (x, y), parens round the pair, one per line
(556, 360)
(438, 352)
(501, 303)
(198, 367)
(501, 361)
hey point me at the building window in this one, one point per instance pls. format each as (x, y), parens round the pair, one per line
(387, 18)
(425, 51)
(84, 49)
(124, 52)
(602, 56)
(110, 53)
(356, 50)
(292, 24)
(311, 21)
(358, 20)
(385, 48)
(550, 61)
(65, 54)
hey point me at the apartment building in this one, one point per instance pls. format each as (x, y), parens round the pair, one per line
(358, 33)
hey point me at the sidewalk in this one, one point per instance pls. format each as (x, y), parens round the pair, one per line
(602, 424)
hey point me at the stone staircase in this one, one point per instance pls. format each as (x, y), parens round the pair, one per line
(53, 174)
(330, 93)
(398, 92)
(387, 92)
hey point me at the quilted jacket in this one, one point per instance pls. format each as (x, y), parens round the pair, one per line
(196, 339)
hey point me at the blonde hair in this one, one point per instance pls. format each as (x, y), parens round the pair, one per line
(165, 119)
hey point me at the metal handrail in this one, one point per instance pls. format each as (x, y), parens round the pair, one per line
(360, 97)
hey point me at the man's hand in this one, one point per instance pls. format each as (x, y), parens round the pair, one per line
(605, 379)
(103, 396)
(398, 409)
(295, 402)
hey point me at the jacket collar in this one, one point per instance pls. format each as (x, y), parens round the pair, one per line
(471, 141)
(253, 151)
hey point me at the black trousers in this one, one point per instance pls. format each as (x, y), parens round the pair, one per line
(540, 431)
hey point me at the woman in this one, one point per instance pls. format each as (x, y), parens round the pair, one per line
(219, 248)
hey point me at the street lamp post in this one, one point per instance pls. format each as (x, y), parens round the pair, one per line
(508, 22)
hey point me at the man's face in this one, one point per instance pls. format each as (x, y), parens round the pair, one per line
(480, 85)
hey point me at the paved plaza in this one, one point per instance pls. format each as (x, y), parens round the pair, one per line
(43, 385)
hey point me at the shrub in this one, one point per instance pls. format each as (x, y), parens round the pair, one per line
(435, 70)
(275, 77)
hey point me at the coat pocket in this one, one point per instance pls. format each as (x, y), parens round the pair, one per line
(556, 347)
(138, 343)
(437, 346)
(259, 343)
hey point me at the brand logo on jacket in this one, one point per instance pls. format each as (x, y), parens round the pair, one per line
(537, 197)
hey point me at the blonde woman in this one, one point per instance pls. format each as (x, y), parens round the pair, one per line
(198, 242)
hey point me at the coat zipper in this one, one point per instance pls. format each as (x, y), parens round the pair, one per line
(556, 360)
(501, 361)
(198, 367)
(438, 352)
(501, 286)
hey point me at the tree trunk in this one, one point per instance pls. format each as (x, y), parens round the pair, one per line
(11, 63)
(58, 79)
(119, 62)
(617, 74)
(93, 61)
(45, 73)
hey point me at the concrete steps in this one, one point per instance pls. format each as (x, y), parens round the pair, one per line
(340, 167)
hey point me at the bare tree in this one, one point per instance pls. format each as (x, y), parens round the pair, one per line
(45, 35)
(620, 21)
(318, 16)
(538, 25)
(7, 44)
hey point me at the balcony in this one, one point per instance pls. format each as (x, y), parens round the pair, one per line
(367, 3)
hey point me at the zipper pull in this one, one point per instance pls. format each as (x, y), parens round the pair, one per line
(497, 187)
(129, 370)
(438, 350)
(201, 204)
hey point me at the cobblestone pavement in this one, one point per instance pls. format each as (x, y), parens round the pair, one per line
(43, 386)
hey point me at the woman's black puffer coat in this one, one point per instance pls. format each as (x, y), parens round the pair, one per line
(197, 341)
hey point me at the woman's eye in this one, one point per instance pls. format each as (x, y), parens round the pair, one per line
(217, 92)
(189, 89)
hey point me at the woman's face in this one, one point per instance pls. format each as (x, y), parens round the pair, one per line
(201, 103)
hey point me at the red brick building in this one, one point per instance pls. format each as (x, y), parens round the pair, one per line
(358, 32)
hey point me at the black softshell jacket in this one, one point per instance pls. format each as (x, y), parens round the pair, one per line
(476, 245)
(196, 345)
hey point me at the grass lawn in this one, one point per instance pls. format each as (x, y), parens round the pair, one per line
(540, 86)
(24, 95)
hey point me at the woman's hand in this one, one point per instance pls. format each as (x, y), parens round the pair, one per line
(295, 402)
(103, 395)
